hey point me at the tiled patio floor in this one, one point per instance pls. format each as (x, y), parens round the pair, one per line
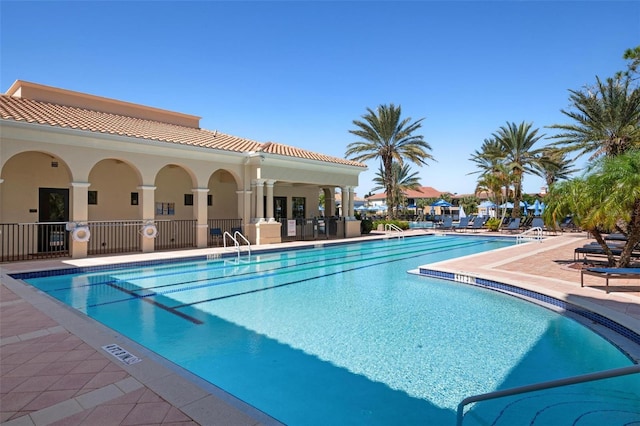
(54, 372)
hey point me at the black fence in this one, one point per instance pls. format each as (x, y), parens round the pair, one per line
(312, 229)
(120, 236)
(217, 228)
(29, 241)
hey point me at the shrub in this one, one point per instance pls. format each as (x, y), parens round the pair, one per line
(366, 226)
(493, 224)
(402, 224)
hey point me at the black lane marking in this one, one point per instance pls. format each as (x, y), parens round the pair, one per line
(213, 299)
(158, 305)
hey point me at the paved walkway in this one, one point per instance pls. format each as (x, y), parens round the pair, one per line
(55, 372)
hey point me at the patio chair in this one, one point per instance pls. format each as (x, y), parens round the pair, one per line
(447, 223)
(526, 223)
(216, 235)
(478, 223)
(537, 222)
(513, 226)
(567, 224)
(610, 273)
(462, 224)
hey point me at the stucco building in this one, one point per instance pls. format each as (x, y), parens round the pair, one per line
(82, 174)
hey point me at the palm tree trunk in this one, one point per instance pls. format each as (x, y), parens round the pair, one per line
(633, 236)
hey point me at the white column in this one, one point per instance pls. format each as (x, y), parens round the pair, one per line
(80, 197)
(148, 207)
(351, 202)
(259, 200)
(344, 204)
(270, 216)
(79, 213)
(200, 215)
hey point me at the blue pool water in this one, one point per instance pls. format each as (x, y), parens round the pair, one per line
(343, 335)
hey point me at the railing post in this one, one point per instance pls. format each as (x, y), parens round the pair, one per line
(591, 377)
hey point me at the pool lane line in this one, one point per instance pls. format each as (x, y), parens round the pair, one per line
(257, 290)
(267, 261)
(286, 270)
(217, 267)
(255, 276)
(162, 306)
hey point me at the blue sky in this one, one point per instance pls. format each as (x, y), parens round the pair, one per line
(300, 72)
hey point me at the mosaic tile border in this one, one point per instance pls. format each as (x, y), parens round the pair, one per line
(507, 288)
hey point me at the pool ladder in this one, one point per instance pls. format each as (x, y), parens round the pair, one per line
(600, 375)
(533, 234)
(237, 235)
(391, 229)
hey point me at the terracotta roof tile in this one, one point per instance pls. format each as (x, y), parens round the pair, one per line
(45, 113)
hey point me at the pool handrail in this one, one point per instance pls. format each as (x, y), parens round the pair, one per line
(590, 377)
(531, 234)
(235, 237)
(390, 227)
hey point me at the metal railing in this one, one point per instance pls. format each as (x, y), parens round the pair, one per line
(175, 234)
(114, 236)
(532, 234)
(29, 241)
(391, 229)
(312, 229)
(235, 238)
(224, 225)
(600, 375)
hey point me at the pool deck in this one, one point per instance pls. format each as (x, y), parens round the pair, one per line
(53, 370)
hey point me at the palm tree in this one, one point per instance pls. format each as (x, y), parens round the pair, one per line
(402, 181)
(556, 166)
(495, 178)
(608, 199)
(385, 136)
(607, 120)
(516, 142)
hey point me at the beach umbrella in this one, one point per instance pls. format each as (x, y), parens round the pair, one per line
(462, 213)
(536, 208)
(441, 203)
(507, 205)
(487, 205)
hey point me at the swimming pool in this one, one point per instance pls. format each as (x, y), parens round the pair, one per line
(342, 335)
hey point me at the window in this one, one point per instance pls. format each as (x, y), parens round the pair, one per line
(134, 198)
(92, 197)
(209, 199)
(299, 210)
(165, 209)
(188, 199)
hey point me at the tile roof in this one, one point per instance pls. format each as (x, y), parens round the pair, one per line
(423, 192)
(56, 115)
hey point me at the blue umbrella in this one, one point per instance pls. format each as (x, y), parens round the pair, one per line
(536, 208)
(487, 205)
(442, 203)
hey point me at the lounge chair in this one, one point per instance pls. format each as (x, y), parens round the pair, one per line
(478, 223)
(526, 223)
(462, 224)
(537, 222)
(513, 226)
(610, 273)
(595, 249)
(616, 237)
(567, 224)
(447, 223)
